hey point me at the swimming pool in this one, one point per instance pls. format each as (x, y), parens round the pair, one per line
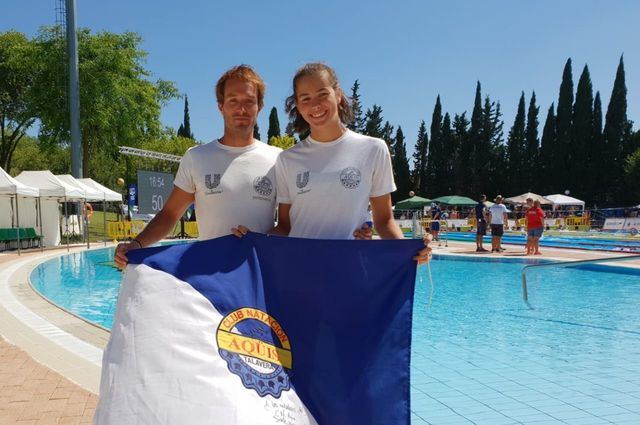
(479, 355)
(590, 243)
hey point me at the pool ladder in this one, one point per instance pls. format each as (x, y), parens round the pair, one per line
(525, 294)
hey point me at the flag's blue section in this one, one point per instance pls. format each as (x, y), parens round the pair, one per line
(346, 307)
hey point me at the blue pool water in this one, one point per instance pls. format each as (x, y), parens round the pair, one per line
(479, 355)
(595, 243)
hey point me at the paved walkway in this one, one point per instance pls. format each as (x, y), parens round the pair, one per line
(31, 394)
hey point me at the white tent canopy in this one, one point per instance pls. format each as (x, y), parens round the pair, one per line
(12, 187)
(561, 200)
(522, 199)
(108, 194)
(90, 194)
(50, 186)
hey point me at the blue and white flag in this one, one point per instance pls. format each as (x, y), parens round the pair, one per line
(262, 330)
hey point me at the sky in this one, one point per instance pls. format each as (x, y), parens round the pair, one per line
(403, 53)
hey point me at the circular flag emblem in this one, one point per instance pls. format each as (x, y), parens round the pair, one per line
(257, 350)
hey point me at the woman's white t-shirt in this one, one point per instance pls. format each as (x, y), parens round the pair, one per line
(328, 184)
(232, 186)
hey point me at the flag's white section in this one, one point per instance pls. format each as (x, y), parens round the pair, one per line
(162, 366)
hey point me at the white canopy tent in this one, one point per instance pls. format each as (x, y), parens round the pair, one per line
(52, 191)
(562, 200)
(90, 194)
(109, 195)
(522, 199)
(13, 192)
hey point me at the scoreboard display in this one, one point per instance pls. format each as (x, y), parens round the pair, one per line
(153, 191)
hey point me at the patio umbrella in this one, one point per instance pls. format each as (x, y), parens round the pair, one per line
(413, 203)
(455, 200)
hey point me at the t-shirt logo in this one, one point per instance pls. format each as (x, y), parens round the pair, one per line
(263, 186)
(212, 184)
(302, 179)
(350, 177)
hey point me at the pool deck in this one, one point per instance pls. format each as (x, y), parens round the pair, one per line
(50, 360)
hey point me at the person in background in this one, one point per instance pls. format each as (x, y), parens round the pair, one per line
(498, 219)
(529, 205)
(481, 223)
(535, 227)
(436, 215)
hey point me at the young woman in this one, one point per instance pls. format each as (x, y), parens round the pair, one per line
(535, 227)
(326, 182)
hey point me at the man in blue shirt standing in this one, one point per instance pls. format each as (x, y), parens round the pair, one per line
(481, 221)
(436, 212)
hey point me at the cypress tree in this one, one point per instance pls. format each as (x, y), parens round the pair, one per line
(358, 120)
(547, 148)
(581, 135)
(256, 132)
(400, 168)
(420, 160)
(185, 128)
(616, 134)
(595, 187)
(274, 124)
(445, 173)
(387, 136)
(532, 147)
(490, 154)
(562, 154)
(373, 122)
(469, 154)
(461, 142)
(516, 151)
(434, 153)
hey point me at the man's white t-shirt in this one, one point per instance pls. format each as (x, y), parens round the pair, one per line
(329, 184)
(232, 186)
(497, 213)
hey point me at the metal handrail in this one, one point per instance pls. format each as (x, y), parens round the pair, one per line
(525, 294)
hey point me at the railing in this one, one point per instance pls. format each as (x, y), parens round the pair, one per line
(525, 293)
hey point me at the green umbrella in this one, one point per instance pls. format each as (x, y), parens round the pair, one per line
(461, 201)
(413, 203)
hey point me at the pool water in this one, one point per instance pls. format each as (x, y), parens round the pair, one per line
(479, 354)
(590, 243)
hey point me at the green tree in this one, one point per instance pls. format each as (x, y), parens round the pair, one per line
(532, 147)
(445, 170)
(420, 160)
(358, 120)
(256, 132)
(400, 168)
(18, 68)
(632, 173)
(562, 148)
(119, 105)
(185, 127)
(274, 124)
(616, 136)
(387, 136)
(490, 153)
(461, 139)
(581, 136)
(30, 154)
(373, 122)
(284, 142)
(547, 145)
(469, 153)
(435, 153)
(595, 182)
(516, 162)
